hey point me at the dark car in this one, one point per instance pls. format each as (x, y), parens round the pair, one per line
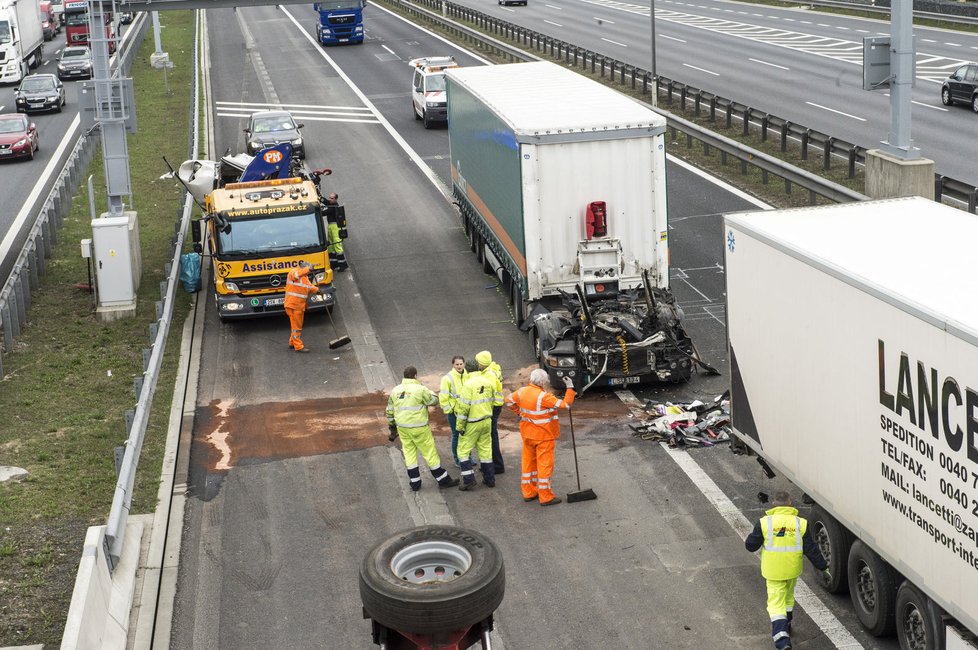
(266, 128)
(18, 136)
(962, 86)
(126, 17)
(40, 92)
(75, 63)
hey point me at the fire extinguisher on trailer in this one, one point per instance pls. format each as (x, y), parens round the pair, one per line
(596, 218)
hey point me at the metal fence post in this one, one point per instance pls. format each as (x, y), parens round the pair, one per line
(827, 153)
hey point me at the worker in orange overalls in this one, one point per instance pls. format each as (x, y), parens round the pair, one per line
(298, 288)
(540, 429)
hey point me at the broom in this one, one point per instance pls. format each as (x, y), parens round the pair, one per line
(580, 495)
(339, 341)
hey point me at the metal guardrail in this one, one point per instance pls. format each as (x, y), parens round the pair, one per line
(494, 33)
(138, 419)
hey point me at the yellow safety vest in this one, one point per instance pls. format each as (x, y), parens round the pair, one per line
(408, 405)
(781, 555)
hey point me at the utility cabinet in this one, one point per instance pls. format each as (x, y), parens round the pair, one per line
(117, 260)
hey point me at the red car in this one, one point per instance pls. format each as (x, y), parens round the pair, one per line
(18, 136)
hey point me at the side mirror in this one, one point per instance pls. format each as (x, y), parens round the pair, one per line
(32, 127)
(299, 126)
(248, 131)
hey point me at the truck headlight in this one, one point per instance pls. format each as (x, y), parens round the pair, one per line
(320, 278)
(561, 362)
(326, 32)
(230, 286)
(359, 29)
(317, 297)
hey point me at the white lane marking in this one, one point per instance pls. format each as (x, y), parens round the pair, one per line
(2, 107)
(603, 20)
(773, 65)
(431, 34)
(723, 185)
(512, 11)
(927, 40)
(936, 108)
(608, 40)
(550, 22)
(390, 50)
(554, 7)
(953, 44)
(18, 223)
(832, 110)
(309, 118)
(264, 106)
(715, 74)
(671, 38)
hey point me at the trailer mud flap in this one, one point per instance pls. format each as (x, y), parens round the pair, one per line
(741, 415)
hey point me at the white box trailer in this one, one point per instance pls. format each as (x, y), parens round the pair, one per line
(853, 340)
(560, 181)
(21, 38)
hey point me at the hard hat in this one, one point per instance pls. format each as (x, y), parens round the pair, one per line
(484, 358)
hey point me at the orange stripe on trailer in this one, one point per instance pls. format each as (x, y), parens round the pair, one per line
(497, 227)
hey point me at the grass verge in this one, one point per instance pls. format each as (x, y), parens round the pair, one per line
(70, 378)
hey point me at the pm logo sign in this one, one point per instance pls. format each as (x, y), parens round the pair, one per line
(272, 156)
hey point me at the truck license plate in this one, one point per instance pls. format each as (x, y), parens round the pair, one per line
(271, 302)
(618, 381)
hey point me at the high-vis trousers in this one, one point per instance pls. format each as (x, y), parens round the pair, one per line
(780, 603)
(478, 435)
(296, 316)
(418, 440)
(538, 467)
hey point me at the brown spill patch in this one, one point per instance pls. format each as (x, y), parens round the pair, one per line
(226, 435)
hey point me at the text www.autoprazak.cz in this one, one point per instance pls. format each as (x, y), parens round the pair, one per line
(963, 552)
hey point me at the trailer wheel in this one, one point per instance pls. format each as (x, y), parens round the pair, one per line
(519, 306)
(872, 586)
(834, 541)
(917, 627)
(432, 579)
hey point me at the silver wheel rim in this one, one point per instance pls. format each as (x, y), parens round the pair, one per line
(823, 542)
(431, 561)
(915, 629)
(866, 588)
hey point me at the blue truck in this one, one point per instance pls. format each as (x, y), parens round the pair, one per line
(340, 21)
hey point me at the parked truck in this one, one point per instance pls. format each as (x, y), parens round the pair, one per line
(560, 182)
(21, 39)
(340, 21)
(853, 340)
(255, 232)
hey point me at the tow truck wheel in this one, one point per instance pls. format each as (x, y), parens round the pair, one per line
(432, 580)
(917, 627)
(834, 541)
(872, 586)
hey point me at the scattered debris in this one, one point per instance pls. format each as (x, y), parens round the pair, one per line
(685, 425)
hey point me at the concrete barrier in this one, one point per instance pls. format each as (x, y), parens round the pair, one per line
(98, 617)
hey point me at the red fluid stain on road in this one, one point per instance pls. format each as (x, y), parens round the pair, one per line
(226, 435)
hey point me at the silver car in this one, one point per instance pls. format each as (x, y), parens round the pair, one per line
(267, 128)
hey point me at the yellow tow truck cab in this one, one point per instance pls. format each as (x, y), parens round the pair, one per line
(256, 233)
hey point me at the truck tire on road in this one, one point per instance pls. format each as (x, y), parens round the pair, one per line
(916, 623)
(872, 586)
(432, 579)
(834, 541)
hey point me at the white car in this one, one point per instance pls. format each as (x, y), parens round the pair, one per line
(430, 102)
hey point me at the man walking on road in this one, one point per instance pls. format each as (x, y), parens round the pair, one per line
(494, 372)
(783, 538)
(298, 288)
(474, 423)
(337, 256)
(407, 415)
(448, 396)
(539, 428)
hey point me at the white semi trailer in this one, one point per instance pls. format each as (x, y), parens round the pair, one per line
(853, 340)
(21, 38)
